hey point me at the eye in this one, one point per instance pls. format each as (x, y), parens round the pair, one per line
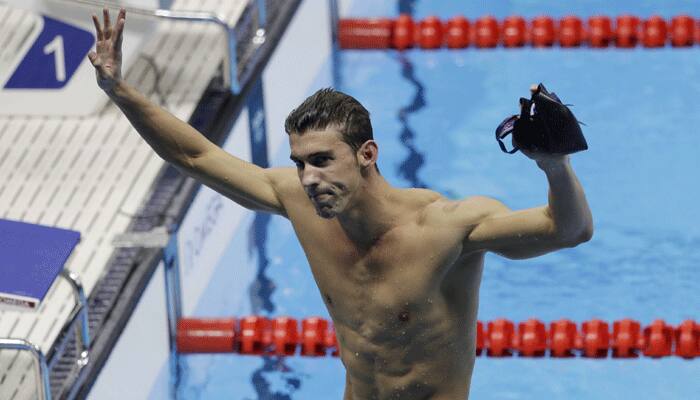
(320, 160)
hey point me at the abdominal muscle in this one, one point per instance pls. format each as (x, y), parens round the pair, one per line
(429, 357)
(407, 336)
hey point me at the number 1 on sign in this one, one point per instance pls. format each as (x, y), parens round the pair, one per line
(56, 47)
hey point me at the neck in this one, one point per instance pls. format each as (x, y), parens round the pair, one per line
(373, 212)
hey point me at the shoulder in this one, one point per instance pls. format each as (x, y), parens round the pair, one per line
(422, 197)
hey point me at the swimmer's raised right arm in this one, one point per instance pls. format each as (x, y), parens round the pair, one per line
(177, 142)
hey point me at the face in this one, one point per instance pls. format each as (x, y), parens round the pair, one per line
(328, 169)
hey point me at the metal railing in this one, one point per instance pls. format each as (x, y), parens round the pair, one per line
(78, 318)
(230, 71)
(42, 369)
(230, 62)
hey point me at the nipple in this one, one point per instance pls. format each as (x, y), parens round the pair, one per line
(404, 316)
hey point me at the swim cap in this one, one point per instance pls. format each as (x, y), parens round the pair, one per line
(544, 125)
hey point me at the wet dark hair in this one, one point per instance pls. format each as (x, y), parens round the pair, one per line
(329, 107)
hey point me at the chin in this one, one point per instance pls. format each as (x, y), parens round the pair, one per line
(328, 211)
(326, 214)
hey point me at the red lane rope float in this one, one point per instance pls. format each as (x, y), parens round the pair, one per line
(206, 335)
(627, 31)
(281, 336)
(457, 32)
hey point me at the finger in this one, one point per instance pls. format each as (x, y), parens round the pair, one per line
(108, 24)
(121, 20)
(533, 88)
(100, 35)
(92, 56)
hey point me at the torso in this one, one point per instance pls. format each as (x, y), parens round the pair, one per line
(404, 309)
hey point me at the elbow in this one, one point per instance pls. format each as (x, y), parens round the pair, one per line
(186, 163)
(587, 234)
(582, 236)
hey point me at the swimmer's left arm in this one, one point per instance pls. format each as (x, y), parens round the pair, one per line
(565, 222)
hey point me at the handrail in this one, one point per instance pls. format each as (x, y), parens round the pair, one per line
(230, 62)
(43, 369)
(230, 74)
(79, 314)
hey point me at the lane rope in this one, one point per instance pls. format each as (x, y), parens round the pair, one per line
(282, 336)
(624, 31)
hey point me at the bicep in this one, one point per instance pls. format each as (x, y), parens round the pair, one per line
(247, 184)
(513, 234)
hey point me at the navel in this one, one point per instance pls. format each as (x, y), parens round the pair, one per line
(404, 316)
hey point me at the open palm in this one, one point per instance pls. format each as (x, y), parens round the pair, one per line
(107, 59)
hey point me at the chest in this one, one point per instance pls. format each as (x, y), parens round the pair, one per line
(404, 267)
(401, 251)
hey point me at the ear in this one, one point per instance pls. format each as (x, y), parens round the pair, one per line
(367, 153)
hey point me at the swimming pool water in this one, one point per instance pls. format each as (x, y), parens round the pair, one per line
(434, 113)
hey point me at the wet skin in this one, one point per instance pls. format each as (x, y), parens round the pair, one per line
(403, 302)
(404, 309)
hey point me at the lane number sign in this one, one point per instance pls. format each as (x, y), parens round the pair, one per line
(54, 56)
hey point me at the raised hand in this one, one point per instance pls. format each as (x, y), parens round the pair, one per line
(107, 60)
(543, 159)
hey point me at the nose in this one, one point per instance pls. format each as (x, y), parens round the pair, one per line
(310, 177)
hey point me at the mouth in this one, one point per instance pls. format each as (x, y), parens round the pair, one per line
(318, 196)
(321, 198)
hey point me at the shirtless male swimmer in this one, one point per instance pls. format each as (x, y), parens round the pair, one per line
(401, 275)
